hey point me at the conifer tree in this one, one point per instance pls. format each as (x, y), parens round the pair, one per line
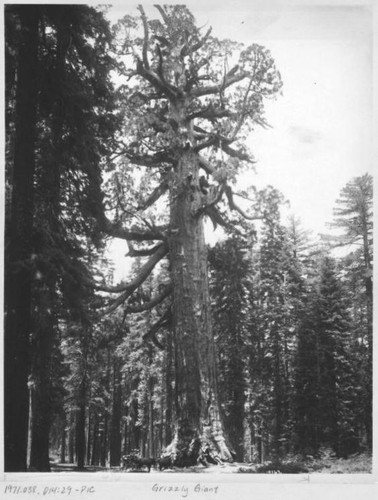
(68, 128)
(230, 269)
(326, 382)
(354, 215)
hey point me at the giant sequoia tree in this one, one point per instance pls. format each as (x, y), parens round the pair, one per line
(190, 102)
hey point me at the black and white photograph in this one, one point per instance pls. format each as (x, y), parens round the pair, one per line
(187, 247)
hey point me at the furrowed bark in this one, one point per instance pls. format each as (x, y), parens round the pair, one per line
(198, 416)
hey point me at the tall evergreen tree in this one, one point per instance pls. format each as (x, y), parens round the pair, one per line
(307, 424)
(274, 320)
(230, 312)
(326, 382)
(277, 293)
(73, 117)
(337, 378)
(354, 215)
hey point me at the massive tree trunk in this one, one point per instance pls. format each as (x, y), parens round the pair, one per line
(198, 416)
(19, 257)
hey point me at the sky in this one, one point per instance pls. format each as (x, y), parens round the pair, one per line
(321, 126)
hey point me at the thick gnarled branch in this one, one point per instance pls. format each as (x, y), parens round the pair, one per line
(129, 287)
(143, 252)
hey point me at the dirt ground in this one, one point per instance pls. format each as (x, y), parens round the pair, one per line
(356, 464)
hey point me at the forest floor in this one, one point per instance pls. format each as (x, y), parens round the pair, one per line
(356, 464)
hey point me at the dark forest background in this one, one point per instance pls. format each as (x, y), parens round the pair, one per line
(92, 369)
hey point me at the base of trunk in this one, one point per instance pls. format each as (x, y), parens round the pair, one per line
(208, 449)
